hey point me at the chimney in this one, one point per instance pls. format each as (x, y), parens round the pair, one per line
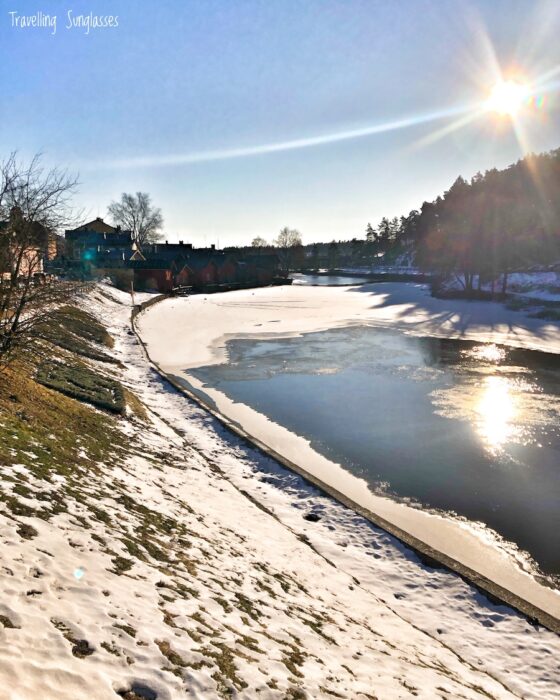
(166, 242)
(213, 246)
(180, 242)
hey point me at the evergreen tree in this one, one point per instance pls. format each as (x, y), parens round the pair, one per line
(371, 234)
(333, 255)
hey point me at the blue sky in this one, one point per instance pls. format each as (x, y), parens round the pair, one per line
(128, 107)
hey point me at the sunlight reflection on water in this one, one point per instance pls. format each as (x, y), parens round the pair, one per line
(486, 353)
(459, 426)
(502, 403)
(496, 410)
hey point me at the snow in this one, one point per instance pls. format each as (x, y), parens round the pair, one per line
(185, 333)
(253, 600)
(538, 285)
(206, 322)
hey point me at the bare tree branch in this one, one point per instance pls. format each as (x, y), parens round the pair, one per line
(34, 204)
(286, 241)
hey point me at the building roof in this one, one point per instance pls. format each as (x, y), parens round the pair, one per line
(36, 233)
(96, 238)
(97, 225)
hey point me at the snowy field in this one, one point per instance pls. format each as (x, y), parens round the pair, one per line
(250, 600)
(186, 333)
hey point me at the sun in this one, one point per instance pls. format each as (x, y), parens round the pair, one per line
(507, 97)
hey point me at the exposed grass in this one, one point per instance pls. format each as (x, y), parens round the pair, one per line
(82, 324)
(80, 647)
(7, 623)
(135, 405)
(293, 659)
(295, 694)
(77, 331)
(49, 434)
(27, 531)
(126, 628)
(226, 676)
(172, 656)
(56, 430)
(110, 648)
(245, 605)
(81, 383)
(122, 565)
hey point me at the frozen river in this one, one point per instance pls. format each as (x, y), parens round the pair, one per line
(457, 426)
(439, 416)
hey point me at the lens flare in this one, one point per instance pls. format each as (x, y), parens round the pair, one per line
(537, 102)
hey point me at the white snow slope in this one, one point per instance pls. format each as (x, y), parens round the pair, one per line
(230, 591)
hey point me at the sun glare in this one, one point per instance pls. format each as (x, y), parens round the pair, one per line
(496, 411)
(507, 97)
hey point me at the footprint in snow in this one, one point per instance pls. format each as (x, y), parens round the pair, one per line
(138, 691)
(312, 517)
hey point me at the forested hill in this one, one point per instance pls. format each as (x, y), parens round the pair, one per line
(496, 223)
(483, 229)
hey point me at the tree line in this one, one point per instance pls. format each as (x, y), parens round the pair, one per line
(483, 229)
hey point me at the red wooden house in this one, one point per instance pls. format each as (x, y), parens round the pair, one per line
(227, 271)
(152, 275)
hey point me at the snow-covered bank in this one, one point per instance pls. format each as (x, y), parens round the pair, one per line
(185, 333)
(238, 595)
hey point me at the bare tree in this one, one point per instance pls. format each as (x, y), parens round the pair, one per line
(34, 203)
(259, 242)
(287, 241)
(136, 213)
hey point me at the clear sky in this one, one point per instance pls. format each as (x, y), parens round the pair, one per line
(179, 98)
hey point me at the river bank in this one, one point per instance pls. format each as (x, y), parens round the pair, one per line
(155, 554)
(285, 313)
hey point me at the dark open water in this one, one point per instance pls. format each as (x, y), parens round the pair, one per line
(458, 426)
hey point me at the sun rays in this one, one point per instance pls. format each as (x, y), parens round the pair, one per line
(506, 97)
(295, 144)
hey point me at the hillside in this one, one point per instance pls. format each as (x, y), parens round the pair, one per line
(149, 554)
